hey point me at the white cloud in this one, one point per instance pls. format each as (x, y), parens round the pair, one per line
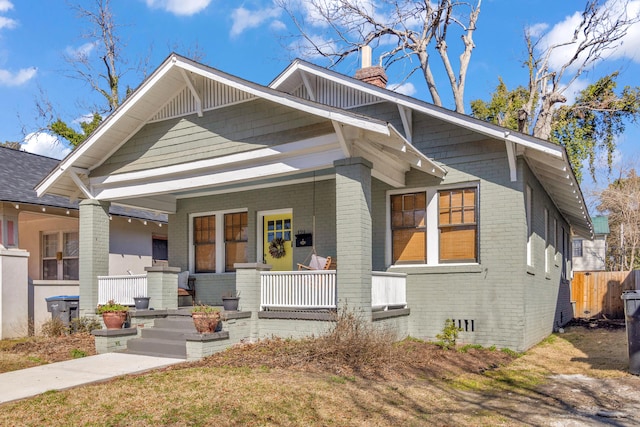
(563, 32)
(537, 30)
(572, 92)
(7, 78)
(45, 145)
(308, 49)
(277, 25)
(5, 5)
(7, 23)
(244, 19)
(179, 7)
(82, 51)
(406, 88)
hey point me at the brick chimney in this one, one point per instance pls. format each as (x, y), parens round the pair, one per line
(374, 75)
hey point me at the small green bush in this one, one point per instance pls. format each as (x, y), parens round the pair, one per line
(447, 339)
(76, 353)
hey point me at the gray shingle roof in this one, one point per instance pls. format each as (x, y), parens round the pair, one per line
(20, 172)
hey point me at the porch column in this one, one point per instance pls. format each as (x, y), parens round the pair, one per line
(248, 287)
(162, 287)
(353, 233)
(94, 251)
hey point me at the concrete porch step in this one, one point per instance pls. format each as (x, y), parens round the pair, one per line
(158, 347)
(166, 333)
(183, 323)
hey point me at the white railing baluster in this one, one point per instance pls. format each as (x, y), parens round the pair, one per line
(121, 289)
(298, 289)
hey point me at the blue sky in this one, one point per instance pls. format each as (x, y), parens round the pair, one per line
(246, 39)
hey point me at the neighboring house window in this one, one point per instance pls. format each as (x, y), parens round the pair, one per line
(564, 253)
(434, 226)
(228, 228)
(408, 227)
(458, 225)
(577, 248)
(235, 239)
(159, 248)
(554, 235)
(529, 209)
(60, 252)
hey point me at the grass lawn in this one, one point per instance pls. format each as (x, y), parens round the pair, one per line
(293, 383)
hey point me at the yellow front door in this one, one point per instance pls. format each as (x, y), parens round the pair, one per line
(277, 245)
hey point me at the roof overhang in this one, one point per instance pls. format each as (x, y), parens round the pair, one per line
(548, 161)
(156, 188)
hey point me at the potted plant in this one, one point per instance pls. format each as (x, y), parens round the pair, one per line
(113, 314)
(141, 303)
(205, 318)
(230, 301)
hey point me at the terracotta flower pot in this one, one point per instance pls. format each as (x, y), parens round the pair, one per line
(205, 323)
(114, 319)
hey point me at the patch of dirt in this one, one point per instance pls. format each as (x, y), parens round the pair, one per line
(56, 349)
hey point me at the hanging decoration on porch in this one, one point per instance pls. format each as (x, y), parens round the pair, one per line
(276, 247)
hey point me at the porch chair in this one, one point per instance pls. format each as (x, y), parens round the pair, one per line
(187, 286)
(318, 263)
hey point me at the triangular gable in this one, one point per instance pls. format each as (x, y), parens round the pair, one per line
(181, 86)
(548, 161)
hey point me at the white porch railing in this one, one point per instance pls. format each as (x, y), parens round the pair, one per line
(121, 289)
(388, 290)
(298, 289)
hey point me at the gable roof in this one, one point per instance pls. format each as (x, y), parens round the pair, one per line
(21, 171)
(171, 79)
(548, 161)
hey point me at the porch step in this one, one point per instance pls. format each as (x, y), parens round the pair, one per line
(167, 338)
(158, 347)
(182, 323)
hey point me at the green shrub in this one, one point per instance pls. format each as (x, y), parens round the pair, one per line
(76, 353)
(447, 339)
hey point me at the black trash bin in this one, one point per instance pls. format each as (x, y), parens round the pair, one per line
(63, 307)
(632, 321)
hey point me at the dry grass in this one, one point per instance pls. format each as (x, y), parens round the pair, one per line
(291, 383)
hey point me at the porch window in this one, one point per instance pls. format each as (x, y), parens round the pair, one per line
(235, 239)
(204, 240)
(219, 240)
(408, 227)
(60, 256)
(458, 225)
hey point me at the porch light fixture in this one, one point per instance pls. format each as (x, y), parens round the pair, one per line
(129, 220)
(159, 224)
(44, 209)
(68, 212)
(144, 222)
(17, 206)
(110, 217)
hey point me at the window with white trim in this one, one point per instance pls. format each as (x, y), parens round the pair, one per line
(529, 209)
(434, 226)
(218, 241)
(60, 255)
(546, 241)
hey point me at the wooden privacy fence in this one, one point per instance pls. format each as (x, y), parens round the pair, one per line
(597, 294)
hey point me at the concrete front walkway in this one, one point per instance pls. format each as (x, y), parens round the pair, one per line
(71, 373)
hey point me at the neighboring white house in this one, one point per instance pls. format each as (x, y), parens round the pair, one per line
(590, 255)
(41, 240)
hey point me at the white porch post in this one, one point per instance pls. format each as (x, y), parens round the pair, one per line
(94, 251)
(353, 233)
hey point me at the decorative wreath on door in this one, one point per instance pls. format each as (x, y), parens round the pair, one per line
(276, 247)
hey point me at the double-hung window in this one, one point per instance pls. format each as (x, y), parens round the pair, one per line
(434, 226)
(60, 251)
(408, 227)
(458, 225)
(219, 240)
